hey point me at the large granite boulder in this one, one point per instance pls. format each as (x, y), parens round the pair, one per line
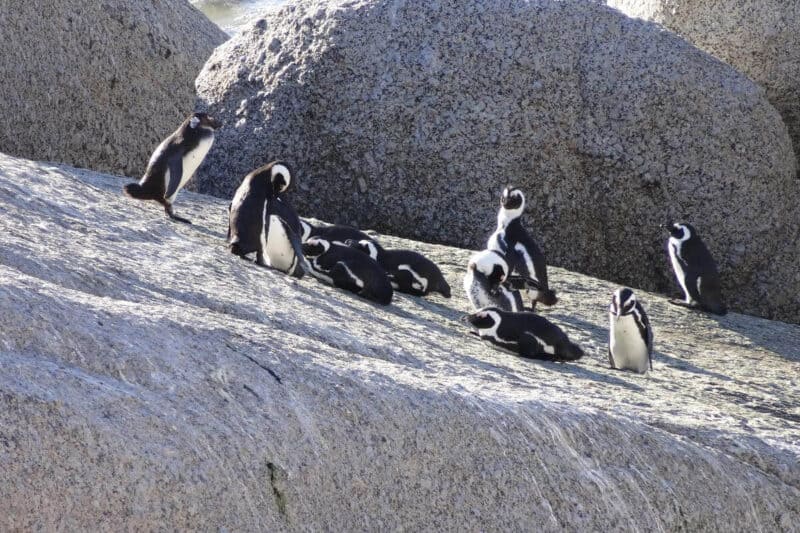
(410, 117)
(151, 380)
(758, 37)
(97, 83)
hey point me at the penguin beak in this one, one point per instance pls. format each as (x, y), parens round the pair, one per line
(214, 123)
(464, 319)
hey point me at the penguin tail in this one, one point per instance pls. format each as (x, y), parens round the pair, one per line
(135, 190)
(444, 288)
(547, 297)
(570, 352)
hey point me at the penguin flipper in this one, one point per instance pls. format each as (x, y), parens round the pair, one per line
(611, 359)
(342, 279)
(175, 166)
(405, 282)
(529, 346)
(301, 265)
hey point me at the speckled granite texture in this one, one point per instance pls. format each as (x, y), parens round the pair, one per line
(98, 84)
(761, 38)
(410, 117)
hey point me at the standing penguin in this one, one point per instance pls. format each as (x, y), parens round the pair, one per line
(349, 269)
(526, 334)
(485, 282)
(261, 220)
(174, 162)
(695, 270)
(523, 254)
(630, 341)
(409, 271)
(336, 234)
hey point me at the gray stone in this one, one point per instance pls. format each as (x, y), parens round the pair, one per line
(97, 83)
(758, 37)
(149, 380)
(611, 125)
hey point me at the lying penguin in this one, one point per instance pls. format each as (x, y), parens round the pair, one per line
(260, 220)
(486, 282)
(523, 254)
(408, 271)
(526, 334)
(630, 340)
(348, 269)
(695, 270)
(336, 234)
(174, 162)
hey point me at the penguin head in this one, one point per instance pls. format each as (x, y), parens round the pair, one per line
(486, 318)
(681, 231)
(316, 246)
(623, 302)
(280, 176)
(491, 264)
(204, 121)
(513, 200)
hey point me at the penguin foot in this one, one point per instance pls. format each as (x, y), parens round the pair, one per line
(683, 303)
(171, 214)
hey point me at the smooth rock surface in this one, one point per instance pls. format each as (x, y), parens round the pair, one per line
(151, 380)
(98, 84)
(758, 37)
(411, 117)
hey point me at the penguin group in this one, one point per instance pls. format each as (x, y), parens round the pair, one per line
(504, 283)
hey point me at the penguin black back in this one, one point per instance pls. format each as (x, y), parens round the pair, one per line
(528, 334)
(695, 269)
(522, 252)
(246, 210)
(174, 162)
(349, 269)
(336, 234)
(408, 271)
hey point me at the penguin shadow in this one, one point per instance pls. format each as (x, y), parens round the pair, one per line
(582, 372)
(779, 338)
(682, 364)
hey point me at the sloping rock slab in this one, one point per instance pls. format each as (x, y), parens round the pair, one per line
(150, 380)
(98, 84)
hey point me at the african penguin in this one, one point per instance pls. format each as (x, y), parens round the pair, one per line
(527, 334)
(485, 282)
(261, 220)
(695, 270)
(174, 162)
(349, 269)
(408, 271)
(336, 234)
(523, 254)
(630, 342)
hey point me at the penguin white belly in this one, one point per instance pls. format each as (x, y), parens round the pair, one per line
(628, 348)
(678, 268)
(278, 249)
(191, 162)
(477, 295)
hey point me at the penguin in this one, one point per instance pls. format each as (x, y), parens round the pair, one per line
(174, 162)
(336, 234)
(630, 341)
(408, 271)
(522, 252)
(261, 220)
(695, 270)
(349, 269)
(526, 334)
(485, 282)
